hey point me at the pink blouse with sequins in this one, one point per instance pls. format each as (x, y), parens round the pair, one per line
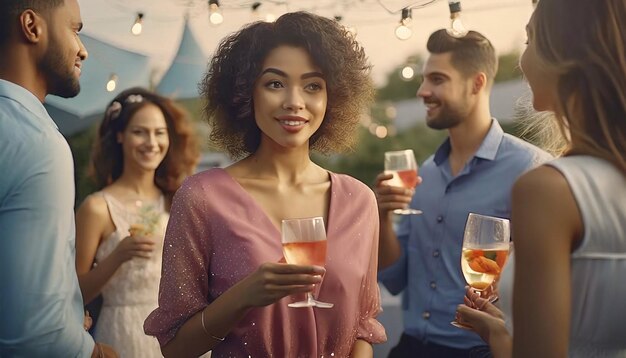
(217, 235)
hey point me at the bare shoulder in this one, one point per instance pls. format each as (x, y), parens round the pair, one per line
(544, 180)
(94, 205)
(544, 197)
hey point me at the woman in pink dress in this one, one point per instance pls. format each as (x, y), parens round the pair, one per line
(274, 91)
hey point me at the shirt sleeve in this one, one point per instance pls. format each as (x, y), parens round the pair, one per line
(394, 277)
(41, 307)
(370, 329)
(184, 286)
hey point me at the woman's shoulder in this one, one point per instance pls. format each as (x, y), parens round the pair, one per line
(212, 183)
(349, 184)
(542, 180)
(212, 176)
(94, 205)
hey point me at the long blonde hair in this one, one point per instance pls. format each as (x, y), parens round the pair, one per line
(584, 43)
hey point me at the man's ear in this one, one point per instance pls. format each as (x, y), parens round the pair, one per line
(479, 83)
(32, 26)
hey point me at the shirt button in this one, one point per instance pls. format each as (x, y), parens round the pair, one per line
(439, 218)
(433, 285)
(426, 315)
(436, 253)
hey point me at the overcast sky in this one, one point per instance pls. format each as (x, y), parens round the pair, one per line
(502, 21)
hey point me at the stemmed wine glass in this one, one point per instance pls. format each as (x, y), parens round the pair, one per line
(304, 243)
(486, 243)
(403, 166)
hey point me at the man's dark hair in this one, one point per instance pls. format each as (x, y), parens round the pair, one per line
(471, 53)
(10, 9)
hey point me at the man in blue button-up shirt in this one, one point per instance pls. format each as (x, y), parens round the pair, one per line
(41, 307)
(472, 171)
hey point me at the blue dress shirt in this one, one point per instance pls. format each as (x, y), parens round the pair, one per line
(429, 270)
(41, 307)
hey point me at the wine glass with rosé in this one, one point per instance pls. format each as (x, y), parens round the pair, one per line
(403, 166)
(304, 243)
(486, 244)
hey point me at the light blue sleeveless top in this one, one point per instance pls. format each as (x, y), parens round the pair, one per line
(598, 320)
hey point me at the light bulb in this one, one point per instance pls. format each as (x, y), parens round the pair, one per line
(215, 15)
(216, 18)
(456, 29)
(407, 73)
(136, 29)
(138, 25)
(112, 83)
(403, 32)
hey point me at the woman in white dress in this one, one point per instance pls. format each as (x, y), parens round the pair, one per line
(143, 150)
(569, 215)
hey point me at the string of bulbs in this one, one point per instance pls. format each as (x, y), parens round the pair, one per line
(402, 31)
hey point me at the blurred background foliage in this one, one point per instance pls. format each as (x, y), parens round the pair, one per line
(364, 162)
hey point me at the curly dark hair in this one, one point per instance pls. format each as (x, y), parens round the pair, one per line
(228, 85)
(107, 159)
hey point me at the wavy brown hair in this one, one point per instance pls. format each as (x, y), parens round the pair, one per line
(228, 84)
(107, 159)
(590, 62)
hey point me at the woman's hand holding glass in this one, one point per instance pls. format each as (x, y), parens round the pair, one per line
(273, 281)
(486, 243)
(480, 315)
(134, 245)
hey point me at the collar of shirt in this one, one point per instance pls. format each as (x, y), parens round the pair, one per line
(487, 150)
(27, 100)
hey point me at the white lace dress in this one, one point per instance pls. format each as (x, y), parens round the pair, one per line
(132, 292)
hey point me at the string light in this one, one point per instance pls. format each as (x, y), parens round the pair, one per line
(407, 73)
(112, 83)
(403, 31)
(269, 17)
(215, 13)
(456, 29)
(138, 25)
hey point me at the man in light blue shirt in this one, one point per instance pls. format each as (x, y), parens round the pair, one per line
(41, 308)
(472, 171)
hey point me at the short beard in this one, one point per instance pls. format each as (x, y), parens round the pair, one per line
(60, 83)
(445, 120)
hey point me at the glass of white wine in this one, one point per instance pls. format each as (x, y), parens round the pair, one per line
(486, 243)
(403, 166)
(304, 243)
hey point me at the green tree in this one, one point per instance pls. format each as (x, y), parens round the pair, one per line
(508, 67)
(397, 87)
